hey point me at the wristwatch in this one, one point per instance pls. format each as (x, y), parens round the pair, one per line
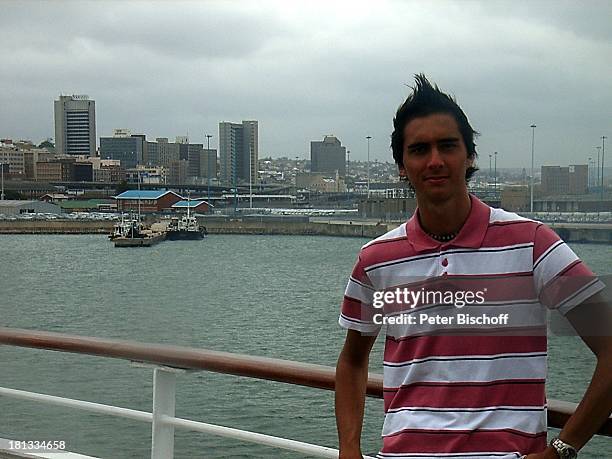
(564, 450)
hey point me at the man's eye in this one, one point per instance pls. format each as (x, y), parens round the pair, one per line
(448, 146)
(417, 150)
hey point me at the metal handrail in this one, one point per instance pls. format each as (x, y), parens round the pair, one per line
(302, 374)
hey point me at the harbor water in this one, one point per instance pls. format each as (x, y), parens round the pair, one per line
(274, 296)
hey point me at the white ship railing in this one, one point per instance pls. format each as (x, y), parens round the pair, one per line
(169, 361)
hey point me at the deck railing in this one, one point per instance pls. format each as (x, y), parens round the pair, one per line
(170, 360)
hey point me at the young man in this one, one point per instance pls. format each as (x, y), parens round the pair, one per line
(450, 393)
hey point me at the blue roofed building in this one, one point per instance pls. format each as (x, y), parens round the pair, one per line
(148, 200)
(194, 205)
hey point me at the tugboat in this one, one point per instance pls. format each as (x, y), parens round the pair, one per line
(126, 228)
(185, 228)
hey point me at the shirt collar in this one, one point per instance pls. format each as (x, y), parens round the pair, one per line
(471, 234)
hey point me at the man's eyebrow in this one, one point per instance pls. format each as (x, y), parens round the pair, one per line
(444, 140)
(415, 144)
(449, 139)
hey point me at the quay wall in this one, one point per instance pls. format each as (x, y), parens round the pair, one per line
(55, 227)
(570, 232)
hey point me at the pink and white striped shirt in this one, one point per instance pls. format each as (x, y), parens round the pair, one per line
(467, 393)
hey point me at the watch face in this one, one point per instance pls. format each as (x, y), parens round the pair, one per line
(564, 450)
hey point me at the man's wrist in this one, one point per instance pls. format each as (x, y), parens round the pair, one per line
(562, 449)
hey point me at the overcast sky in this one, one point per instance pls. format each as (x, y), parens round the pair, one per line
(306, 69)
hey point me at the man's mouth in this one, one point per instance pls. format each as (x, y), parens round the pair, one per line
(436, 180)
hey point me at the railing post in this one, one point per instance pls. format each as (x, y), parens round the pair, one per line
(164, 391)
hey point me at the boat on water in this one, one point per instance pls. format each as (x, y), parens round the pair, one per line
(185, 228)
(132, 233)
(142, 238)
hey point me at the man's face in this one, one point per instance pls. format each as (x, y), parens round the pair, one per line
(435, 158)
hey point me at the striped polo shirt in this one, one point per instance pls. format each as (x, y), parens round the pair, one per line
(467, 392)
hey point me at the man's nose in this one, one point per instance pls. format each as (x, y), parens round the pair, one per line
(435, 159)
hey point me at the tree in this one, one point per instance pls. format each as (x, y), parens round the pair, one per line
(122, 186)
(46, 144)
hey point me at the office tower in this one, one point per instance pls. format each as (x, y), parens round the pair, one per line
(75, 125)
(124, 147)
(167, 152)
(208, 163)
(238, 152)
(328, 156)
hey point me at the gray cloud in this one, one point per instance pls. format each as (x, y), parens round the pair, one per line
(308, 69)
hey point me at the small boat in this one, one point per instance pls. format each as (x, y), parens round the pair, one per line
(125, 228)
(144, 238)
(131, 233)
(185, 228)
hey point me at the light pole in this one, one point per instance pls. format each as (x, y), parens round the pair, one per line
(348, 162)
(2, 192)
(208, 137)
(495, 173)
(590, 174)
(489, 180)
(533, 126)
(603, 152)
(368, 168)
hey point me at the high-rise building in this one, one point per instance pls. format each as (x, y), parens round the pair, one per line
(238, 152)
(123, 146)
(328, 156)
(75, 125)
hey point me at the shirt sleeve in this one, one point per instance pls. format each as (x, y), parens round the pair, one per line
(562, 280)
(357, 311)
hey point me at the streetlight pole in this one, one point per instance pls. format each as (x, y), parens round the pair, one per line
(208, 136)
(348, 162)
(533, 126)
(368, 137)
(590, 174)
(2, 192)
(597, 174)
(603, 152)
(495, 173)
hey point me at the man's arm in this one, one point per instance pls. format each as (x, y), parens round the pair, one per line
(351, 381)
(596, 404)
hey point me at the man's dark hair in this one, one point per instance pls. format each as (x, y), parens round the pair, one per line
(427, 99)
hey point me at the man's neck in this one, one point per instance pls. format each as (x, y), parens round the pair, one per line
(445, 217)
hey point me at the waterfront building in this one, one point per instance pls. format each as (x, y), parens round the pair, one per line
(18, 207)
(238, 152)
(199, 206)
(558, 180)
(75, 125)
(123, 146)
(147, 200)
(328, 156)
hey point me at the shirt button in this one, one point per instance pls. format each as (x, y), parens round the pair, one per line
(445, 262)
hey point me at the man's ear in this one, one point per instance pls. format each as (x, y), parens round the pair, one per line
(402, 173)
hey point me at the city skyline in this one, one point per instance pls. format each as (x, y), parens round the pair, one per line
(509, 66)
